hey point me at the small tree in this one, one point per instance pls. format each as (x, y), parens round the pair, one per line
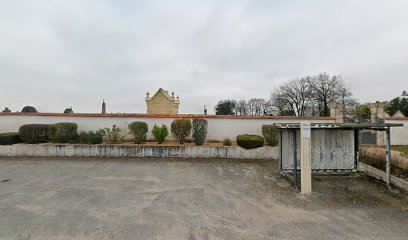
(399, 103)
(29, 109)
(91, 137)
(270, 133)
(63, 132)
(113, 136)
(160, 133)
(362, 113)
(139, 131)
(34, 133)
(181, 128)
(250, 141)
(199, 131)
(225, 107)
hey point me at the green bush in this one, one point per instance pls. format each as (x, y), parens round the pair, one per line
(34, 133)
(199, 130)
(160, 133)
(250, 141)
(113, 136)
(63, 132)
(227, 142)
(91, 137)
(9, 138)
(139, 131)
(181, 128)
(271, 134)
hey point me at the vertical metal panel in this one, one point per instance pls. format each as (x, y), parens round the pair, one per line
(331, 149)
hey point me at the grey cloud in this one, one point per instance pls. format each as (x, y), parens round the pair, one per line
(57, 54)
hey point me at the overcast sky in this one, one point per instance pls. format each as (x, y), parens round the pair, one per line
(58, 54)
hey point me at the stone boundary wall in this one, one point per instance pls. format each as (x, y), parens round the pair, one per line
(380, 175)
(137, 151)
(219, 127)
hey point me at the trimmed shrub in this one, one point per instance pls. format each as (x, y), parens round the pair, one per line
(29, 109)
(139, 131)
(91, 137)
(199, 130)
(250, 141)
(112, 136)
(65, 132)
(160, 133)
(181, 128)
(9, 138)
(270, 133)
(227, 142)
(34, 133)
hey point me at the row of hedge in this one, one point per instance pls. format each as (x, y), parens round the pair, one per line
(181, 128)
(68, 133)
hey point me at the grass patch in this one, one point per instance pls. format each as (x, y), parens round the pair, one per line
(380, 164)
(400, 148)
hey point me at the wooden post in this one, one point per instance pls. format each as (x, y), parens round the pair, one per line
(305, 158)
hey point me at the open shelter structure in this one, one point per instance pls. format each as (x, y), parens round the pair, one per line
(330, 147)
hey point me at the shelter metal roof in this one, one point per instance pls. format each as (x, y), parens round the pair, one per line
(345, 126)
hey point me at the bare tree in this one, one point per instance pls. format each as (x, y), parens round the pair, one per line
(279, 104)
(311, 96)
(258, 107)
(266, 108)
(241, 108)
(326, 89)
(298, 94)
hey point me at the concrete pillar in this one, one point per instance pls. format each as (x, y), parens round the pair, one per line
(337, 112)
(377, 111)
(305, 158)
(378, 114)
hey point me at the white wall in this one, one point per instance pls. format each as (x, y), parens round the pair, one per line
(218, 128)
(399, 135)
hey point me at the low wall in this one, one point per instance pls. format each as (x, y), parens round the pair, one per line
(219, 127)
(397, 158)
(380, 175)
(79, 150)
(399, 135)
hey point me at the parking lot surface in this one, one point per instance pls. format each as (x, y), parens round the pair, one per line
(87, 198)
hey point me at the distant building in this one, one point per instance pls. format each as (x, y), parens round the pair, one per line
(162, 103)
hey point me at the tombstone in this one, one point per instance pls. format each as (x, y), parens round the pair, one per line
(6, 109)
(68, 110)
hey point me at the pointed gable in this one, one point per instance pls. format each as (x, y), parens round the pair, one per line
(162, 103)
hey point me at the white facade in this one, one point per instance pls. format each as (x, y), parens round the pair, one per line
(219, 127)
(399, 135)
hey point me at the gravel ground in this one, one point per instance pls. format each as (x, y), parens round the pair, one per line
(87, 198)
